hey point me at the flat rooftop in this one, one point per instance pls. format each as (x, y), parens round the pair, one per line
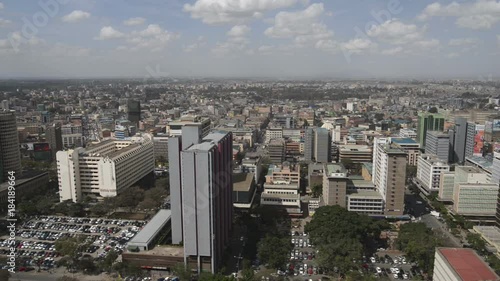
(152, 227)
(469, 169)
(371, 194)
(467, 264)
(355, 148)
(162, 250)
(242, 181)
(490, 233)
(335, 168)
(403, 141)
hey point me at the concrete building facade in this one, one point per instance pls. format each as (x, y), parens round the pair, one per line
(428, 122)
(104, 170)
(429, 170)
(10, 155)
(438, 143)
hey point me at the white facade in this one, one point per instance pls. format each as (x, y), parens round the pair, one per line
(105, 169)
(407, 133)
(495, 175)
(429, 169)
(379, 173)
(72, 140)
(273, 133)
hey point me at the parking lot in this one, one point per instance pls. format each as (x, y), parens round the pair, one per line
(394, 266)
(35, 238)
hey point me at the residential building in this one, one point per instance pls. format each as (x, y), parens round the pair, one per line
(53, 135)
(284, 120)
(429, 168)
(356, 153)
(410, 146)
(461, 264)
(72, 140)
(438, 143)
(276, 151)
(10, 155)
(473, 195)
(252, 165)
(407, 133)
(160, 144)
(201, 194)
(105, 169)
(428, 122)
(389, 175)
(274, 133)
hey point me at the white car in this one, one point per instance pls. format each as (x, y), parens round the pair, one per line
(372, 259)
(405, 276)
(378, 269)
(395, 276)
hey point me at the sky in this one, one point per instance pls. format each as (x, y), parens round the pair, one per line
(250, 38)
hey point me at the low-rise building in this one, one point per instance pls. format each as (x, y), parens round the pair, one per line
(244, 189)
(459, 264)
(356, 153)
(282, 188)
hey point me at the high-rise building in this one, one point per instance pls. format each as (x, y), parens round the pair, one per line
(410, 146)
(438, 143)
(428, 122)
(201, 196)
(492, 128)
(429, 168)
(134, 111)
(322, 145)
(9, 144)
(389, 175)
(309, 144)
(105, 169)
(276, 151)
(462, 141)
(53, 135)
(174, 128)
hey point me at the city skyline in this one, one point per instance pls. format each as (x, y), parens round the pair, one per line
(264, 38)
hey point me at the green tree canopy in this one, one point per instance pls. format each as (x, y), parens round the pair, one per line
(419, 243)
(275, 251)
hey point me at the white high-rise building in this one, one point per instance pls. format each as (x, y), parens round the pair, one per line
(429, 168)
(104, 170)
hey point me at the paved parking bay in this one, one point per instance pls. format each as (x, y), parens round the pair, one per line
(35, 238)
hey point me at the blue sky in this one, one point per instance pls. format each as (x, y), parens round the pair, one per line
(250, 38)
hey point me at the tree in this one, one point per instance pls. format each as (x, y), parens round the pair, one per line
(476, 242)
(100, 209)
(275, 251)
(182, 272)
(317, 190)
(341, 236)
(419, 243)
(4, 275)
(107, 263)
(411, 172)
(433, 110)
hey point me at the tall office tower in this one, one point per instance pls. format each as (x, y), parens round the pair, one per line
(309, 144)
(428, 122)
(201, 177)
(438, 143)
(276, 151)
(134, 111)
(389, 175)
(53, 135)
(492, 128)
(462, 140)
(9, 144)
(322, 145)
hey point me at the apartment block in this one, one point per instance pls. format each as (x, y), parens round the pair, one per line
(429, 168)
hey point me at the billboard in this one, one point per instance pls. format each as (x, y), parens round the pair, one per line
(43, 146)
(488, 126)
(479, 142)
(496, 125)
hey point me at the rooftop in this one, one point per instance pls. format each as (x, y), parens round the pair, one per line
(242, 181)
(152, 227)
(359, 193)
(162, 250)
(403, 141)
(332, 168)
(467, 264)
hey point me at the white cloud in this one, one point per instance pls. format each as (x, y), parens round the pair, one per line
(396, 32)
(481, 14)
(358, 45)
(233, 11)
(4, 22)
(463, 41)
(427, 44)
(76, 16)
(393, 51)
(452, 55)
(63, 50)
(200, 42)
(1, 6)
(327, 45)
(303, 26)
(134, 21)
(238, 31)
(109, 32)
(153, 37)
